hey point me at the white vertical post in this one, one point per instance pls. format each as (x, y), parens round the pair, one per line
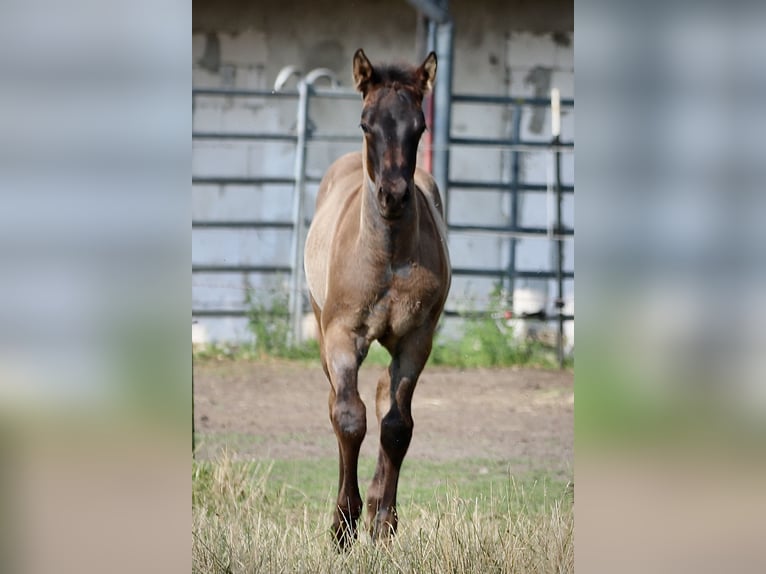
(555, 112)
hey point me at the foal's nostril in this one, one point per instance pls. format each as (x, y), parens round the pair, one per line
(393, 198)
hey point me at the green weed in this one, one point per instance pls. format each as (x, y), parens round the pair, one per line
(483, 341)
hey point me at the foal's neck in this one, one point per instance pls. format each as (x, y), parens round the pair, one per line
(393, 240)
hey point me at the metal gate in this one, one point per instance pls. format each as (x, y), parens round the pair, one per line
(304, 136)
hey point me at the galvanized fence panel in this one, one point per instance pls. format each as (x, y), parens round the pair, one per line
(304, 137)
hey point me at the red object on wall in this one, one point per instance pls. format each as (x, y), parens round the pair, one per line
(428, 136)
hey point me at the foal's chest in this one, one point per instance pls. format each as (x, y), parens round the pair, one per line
(407, 295)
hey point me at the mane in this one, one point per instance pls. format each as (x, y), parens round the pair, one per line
(387, 74)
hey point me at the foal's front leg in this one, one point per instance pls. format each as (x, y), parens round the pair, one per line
(396, 424)
(349, 420)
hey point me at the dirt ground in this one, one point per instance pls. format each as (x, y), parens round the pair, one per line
(279, 410)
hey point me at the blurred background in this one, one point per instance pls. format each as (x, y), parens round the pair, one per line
(94, 227)
(671, 258)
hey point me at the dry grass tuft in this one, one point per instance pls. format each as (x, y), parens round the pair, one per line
(244, 522)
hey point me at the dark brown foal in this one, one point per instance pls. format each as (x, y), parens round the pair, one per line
(377, 267)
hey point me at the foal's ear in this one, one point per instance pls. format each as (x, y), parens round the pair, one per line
(362, 71)
(427, 72)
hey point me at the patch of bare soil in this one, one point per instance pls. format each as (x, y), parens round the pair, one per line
(279, 410)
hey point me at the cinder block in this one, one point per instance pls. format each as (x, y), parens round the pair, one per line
(527, 50)
(219, 159)
(198, 46)
(519, 84)
(237, 117)
(245, 49)
(202, 78)
(252, 78)
(564, 57)
(564, 81)
(207, 116)
(475, 250)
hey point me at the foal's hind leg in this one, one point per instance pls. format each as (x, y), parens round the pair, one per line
(396, 424)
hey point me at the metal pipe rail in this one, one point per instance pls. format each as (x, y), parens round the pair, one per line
(240, 93)
(514, 188)
(308, 137)
(505, 186)
(222, 224)
(512, 144)
(244, 136)
(239, 268)
(507, 100)
(232, 313)
(491, 314)
(512, 231)
(233, 180)
(447, 313)
(500, 273)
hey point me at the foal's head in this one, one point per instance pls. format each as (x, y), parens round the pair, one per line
(392, 122)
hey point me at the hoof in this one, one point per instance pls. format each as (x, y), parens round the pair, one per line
(344, 532)
(384, 525)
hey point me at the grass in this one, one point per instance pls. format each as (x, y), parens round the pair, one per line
(463, 516)
(482, 344)
(469, 516)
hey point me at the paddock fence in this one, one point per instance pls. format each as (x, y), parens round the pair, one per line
(299, 184)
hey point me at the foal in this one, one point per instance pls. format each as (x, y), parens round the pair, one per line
(377, 268)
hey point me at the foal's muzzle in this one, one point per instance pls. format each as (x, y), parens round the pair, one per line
(393, 199)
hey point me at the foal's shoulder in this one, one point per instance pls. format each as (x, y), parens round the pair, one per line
(345, 164)
(341, 175)
(427, 185)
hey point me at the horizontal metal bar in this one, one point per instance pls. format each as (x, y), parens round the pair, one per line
(228, 180)
(353, 95)
(460, 184)
(335, 94)
(509, 231)
(219, 312)
(520, 145)
(474, 272)
(241, 268)
(229, 93)
(353, 138)
(212, 313)
(315, 137)
(489, 315)
(508, 100)
(243, 136)
(242, 224)
(506, 186)
(492, 230)
(320, 137)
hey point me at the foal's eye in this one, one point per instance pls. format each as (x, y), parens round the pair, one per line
(365, 127)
